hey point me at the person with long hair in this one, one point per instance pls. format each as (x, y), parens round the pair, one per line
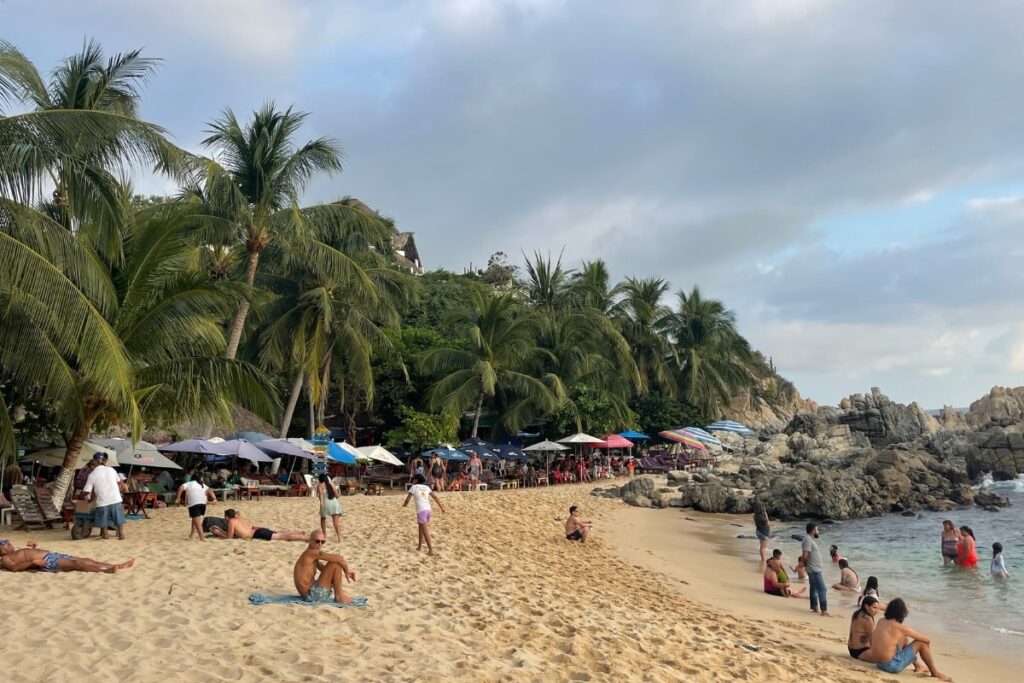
(966, 549)
(950, 538)
(329, 505)
(871, 591)
(762, 529)
(848, 579)
(862, 625)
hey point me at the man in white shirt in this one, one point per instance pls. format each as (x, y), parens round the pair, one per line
(102, 486)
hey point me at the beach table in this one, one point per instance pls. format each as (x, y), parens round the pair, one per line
(224, 494)
(135, 502)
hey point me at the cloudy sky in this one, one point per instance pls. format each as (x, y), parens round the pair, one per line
(847, 176)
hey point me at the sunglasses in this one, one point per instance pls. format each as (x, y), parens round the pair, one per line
(319, 542)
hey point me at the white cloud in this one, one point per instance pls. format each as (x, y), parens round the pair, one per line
(986, 203)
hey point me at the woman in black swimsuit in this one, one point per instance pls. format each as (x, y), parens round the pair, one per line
(862, 625)
(437, 473)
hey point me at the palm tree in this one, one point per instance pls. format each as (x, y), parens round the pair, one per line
(645, 321)
(147, 345)
(715, 360)
(256, 186)
(499, 349)
(79, 136)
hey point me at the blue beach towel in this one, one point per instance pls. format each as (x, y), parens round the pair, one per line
(263, 599)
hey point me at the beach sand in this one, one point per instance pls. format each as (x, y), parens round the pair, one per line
(505, 598)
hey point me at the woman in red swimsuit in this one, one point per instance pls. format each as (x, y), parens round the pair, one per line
(966, 550)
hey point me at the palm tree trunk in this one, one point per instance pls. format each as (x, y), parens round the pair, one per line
(476, 415)
(67, 470)
(325, 378)
(243, 308)
(293, 400)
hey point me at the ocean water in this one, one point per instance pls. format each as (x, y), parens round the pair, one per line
(903, 552)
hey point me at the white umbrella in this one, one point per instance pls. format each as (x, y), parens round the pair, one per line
(192, 446)
(379, 453)
(546, 447)
(54, 457)
(580, 438)
(139, 454)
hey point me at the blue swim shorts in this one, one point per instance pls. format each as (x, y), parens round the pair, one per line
(905, 656)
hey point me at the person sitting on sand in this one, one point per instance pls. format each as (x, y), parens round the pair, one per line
(333, 572)
(776, 582)
(862, 625)
(576, 529)
(239, 528)
(848, 579)
(894, 646)
(33, 558)
(871, 591)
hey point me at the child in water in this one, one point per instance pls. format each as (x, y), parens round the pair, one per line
(998, 567)
(834, 552)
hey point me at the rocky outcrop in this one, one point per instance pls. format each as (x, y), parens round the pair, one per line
(1002, 407)
(883, 421)
(996, 451)
(769, 406)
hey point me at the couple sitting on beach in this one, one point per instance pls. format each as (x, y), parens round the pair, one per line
(889, 644)
(776, 581)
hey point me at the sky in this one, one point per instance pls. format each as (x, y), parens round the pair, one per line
(848, 177)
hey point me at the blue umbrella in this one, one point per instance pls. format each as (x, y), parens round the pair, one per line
(507, 451)
(729, 426)
(702, 436)
(480, 447)
(447, 454)
(633, 436)
(335, 451)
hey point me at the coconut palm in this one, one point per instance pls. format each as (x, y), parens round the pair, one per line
(148, 344)
(644, 321)
(715, 360)
(499, 351)
(255, 181)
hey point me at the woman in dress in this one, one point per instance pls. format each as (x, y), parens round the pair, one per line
(329, 505)
(950, 538)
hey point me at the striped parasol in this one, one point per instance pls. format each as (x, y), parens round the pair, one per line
(681, 437)
(729, 426)
(702, 436)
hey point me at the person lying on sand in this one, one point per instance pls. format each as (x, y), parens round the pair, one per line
(894, 647)
(577, 529)
(37, 559)
(239, 528)
(333, 571)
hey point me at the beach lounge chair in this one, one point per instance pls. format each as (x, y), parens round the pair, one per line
(385, 476)
(52, 512)
(27, 507)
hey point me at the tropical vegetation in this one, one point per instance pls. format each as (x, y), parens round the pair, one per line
(232, 291)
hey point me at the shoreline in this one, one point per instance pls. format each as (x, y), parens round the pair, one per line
(707, 563)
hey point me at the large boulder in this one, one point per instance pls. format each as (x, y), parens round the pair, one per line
(638, 492)
(677, 477)
(996, 451)
(706, 497)
(989, 500)
(883, 421)
(1002, 407)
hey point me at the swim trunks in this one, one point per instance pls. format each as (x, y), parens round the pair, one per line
(262, 534)
(856, 652)
(197, 510)
(423, 517)
(905, 656)
(318, 593)
(50, 561)
(574, 536)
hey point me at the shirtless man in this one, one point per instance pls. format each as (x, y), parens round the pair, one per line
(333, 571)
(239, 528)
(894, 647)
(576, 529)
(33, 558)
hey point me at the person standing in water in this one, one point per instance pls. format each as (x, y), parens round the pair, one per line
(330, 506)
(762, 529)
(966, 549)
(998, 566)
(949, 540)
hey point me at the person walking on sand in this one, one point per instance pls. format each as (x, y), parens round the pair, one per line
(815, 571)
(762, 529)
(894, 646)
(437, 470)
(33, 558)
(948, 544)
(197, 494)
(421, 495)
(577, 529)
(333, 572)
(476, 468)
(330, 506)
(103, 486)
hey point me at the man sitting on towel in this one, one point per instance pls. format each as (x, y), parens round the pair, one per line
(333, 570)
(239, 528)
(32, 558)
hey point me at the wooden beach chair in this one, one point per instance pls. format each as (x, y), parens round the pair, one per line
(27, 507)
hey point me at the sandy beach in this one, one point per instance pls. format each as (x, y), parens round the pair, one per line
(505, 598)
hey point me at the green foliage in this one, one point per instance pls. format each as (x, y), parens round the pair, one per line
(442, 294)
(594, 411)
(655, 412)
(423, 430)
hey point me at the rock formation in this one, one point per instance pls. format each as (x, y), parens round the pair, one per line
(1002, 407)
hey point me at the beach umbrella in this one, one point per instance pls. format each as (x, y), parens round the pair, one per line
(446, 453)
(701, 435)
(193, 446)
(54, 457)
(547, 448)
(580, 438)
(295, 447)
(507, 451)
(251, 437)
(681, 437)
(634, 436)
(139, 454)
(342, 452)
(614, 441)
(729, 426)
(242, 449)
(482, 448)
(380, 454)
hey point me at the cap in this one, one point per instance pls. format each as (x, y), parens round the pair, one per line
(101, 455)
